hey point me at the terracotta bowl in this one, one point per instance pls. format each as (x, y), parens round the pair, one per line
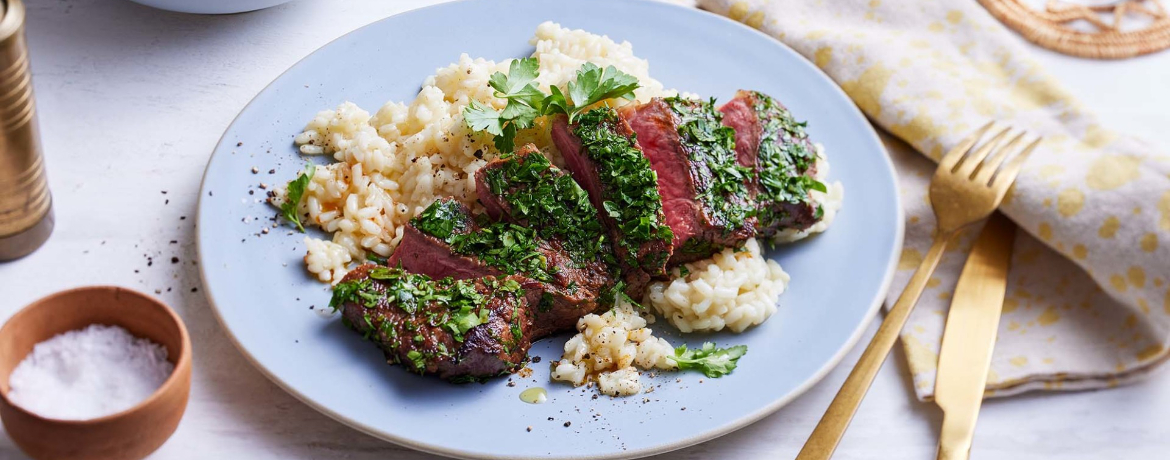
(130, 434)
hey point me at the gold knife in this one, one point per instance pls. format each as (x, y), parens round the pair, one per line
(969, 336)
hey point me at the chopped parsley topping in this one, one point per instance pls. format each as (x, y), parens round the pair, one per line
(511, 248)
(709, 143)
(631, 186)
(442, 219)
(712, 362)
(414, 294)
(415, 357)
(293, 194)
(346, 291)
(549, 201)
(784, 157)
(526, 102)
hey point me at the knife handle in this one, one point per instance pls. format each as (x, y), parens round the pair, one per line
(954, 440)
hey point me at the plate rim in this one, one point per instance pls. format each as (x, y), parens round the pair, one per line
(716, 432)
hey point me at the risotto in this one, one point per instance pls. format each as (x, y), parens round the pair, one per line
(393, 164)
(736, 289)
(609, 349)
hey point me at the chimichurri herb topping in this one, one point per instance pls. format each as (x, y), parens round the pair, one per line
(631, 186)
(417, 358)
(508, 247)
(551, 203)
(783, 158)
(465, 306)
(442, 219)
(712, 144)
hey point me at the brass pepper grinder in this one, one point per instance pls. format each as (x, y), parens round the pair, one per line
(26, 214)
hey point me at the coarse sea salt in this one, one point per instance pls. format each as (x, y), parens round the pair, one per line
(88, 373)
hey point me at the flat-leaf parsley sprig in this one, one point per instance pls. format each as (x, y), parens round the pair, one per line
(712, 362)
(526, 102)
(592, 85)
(293, 194)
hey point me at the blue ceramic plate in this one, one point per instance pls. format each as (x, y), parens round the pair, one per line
(263, 296)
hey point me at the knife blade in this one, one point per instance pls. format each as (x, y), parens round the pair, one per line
(969, 336)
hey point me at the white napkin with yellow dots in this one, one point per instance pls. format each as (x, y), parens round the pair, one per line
(1088, 305)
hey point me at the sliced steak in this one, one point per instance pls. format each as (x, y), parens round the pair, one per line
(576, 289)
(526, 189)
(462, 330)
(562, 290)
(770, 141)
(421, 252)
(603, 154)
(704, 191)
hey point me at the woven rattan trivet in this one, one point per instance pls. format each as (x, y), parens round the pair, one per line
(1053, 28)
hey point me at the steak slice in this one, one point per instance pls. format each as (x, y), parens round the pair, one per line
(772, 143)
(526, 189)
(462, 330)
(603, 154)
(704, 191)
(561, 290)
(421, 252)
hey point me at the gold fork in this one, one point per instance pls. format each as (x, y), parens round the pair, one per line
(965, 189)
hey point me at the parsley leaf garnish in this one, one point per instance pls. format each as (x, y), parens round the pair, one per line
(293, 194)
(712, 362)
(480, 117)
(593, 85)
(526, 102)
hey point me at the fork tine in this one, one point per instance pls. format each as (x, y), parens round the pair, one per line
(973, 160)
(987, 169)
(952, 157)
(1007, 175)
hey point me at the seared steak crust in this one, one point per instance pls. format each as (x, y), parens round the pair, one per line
(604, 156)
(561, 289)
(772, 143)
(704, 191)
(460, 330)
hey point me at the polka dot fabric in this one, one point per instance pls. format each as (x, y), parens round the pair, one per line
(1088, 302)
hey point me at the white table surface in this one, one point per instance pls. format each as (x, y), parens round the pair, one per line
(132, 100)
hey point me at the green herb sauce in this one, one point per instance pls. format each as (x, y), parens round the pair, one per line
(630, 184)
(708, 142)
(465, 308)
(551, 202)
(511, 248)
(783, 159)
